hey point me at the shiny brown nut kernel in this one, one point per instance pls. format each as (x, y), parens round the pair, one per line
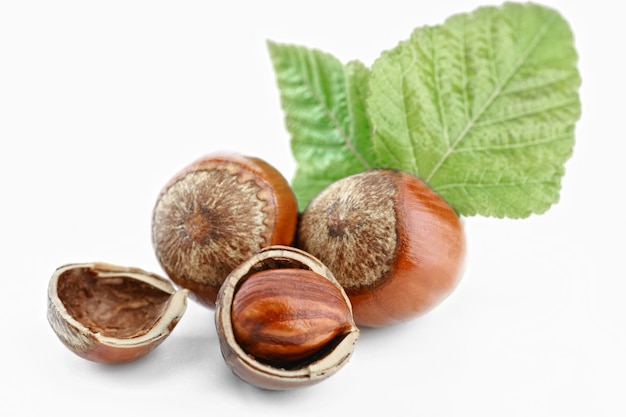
(394, 244)
(287, 315)
(301, 366)
(108, 313)
(216, 213)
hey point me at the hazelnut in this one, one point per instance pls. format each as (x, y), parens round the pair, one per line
(394, 244)
(216, 213)
(283, 320)
(110, 314)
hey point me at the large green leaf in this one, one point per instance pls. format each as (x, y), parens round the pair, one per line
(483, 108)
(324, 105)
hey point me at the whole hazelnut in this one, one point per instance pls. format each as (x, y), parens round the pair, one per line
(283, 321)
(108, 313)
(216, 213)
(394, 244)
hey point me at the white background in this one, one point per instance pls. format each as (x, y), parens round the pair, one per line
(101, 102)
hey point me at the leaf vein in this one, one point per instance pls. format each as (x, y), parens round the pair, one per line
(540, 85)
(514, 116)
(466, 185)
(508, 146)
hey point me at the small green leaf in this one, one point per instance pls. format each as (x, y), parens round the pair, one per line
(324, 105)
(483, 108)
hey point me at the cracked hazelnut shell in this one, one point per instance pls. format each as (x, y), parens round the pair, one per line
(110, 314)
(293, 373)
(216, 213)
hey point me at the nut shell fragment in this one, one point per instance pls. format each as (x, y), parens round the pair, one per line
(270, 376)
(108, 313)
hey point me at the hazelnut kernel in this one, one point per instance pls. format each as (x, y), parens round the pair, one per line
(288, 315)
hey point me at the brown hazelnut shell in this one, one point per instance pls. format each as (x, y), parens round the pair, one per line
(111, 314)
(217, 212)
(392, 225)
(261, 374)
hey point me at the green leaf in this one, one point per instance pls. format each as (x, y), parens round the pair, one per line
(324, 106)
(483, 108)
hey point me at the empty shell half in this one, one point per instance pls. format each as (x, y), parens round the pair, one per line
(108, 313)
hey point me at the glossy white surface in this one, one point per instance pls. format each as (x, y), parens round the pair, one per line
(101, 103)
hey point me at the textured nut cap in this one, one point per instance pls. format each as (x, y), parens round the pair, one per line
(261, 374)
(215, 214)
(108, 313)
